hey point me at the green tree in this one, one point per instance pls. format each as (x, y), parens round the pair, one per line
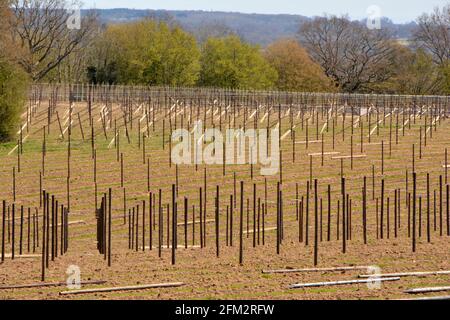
(173, 58)
(13, 88)
(413, 72)
(228, 62)
(147, 52)
(445, 72)
(296, 70)
(13, 81)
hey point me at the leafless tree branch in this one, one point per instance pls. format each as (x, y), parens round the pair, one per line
(40, 26)
(350, 54)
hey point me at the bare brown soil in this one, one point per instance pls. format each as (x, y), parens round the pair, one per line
(205, 275)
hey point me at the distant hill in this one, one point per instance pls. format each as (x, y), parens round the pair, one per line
(259, 29)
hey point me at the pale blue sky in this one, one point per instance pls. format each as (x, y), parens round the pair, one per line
(397, 10)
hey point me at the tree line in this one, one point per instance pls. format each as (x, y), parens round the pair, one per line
(330, 53)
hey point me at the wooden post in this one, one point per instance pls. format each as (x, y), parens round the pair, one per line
(193, 225)
(174, 224)
(263, 223)
(54, 206)
(14, 184)
(121, 170)
(440, 206)
(137, 229)
(316, 219)
(329, 214)
(35, 230)
(204, 208)
(185, 222)
(13, 231)
(63, 223)
(129, 229)
(414, 213)
(21, 231)
(148, 175)
(365, 211)
(382, 209)
(44, 235)
(241, 225)
(201, 217)
(278, 218)
(160, 222)
(307, 214)
(217, 221)
(124, 206)
(259, 219)
(395, 213)
(343, 215)
(428, 208)
(351, 151)
(231, 220)
(109, 224)
(28, 230)
(409, 214)
(434, 211)
(388, 228)
(143, 225)
(254, 215)
(448, 210)
(296, 202)
(3, 230)
(150, 220)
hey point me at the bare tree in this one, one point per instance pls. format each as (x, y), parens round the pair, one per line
(433, 34)
(41, 28)
(353, 56)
